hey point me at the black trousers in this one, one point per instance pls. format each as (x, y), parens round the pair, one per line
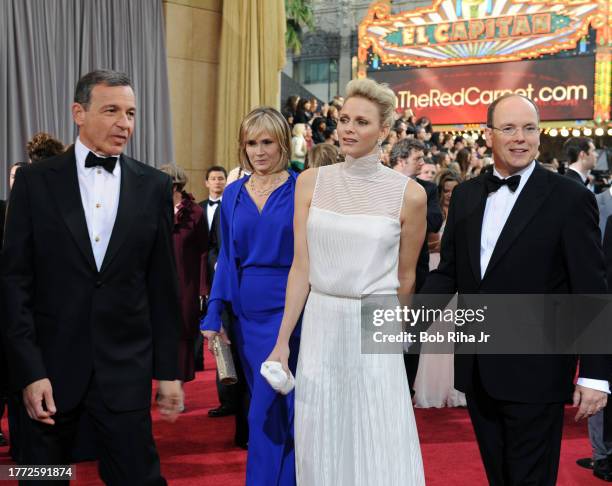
(128, 456)
(519, 443)
(411, 363)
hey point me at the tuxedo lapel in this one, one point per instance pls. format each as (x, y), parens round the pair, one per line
(131, 179)
(205, 208)
(64, 184)
(526, 207)
(476, 201)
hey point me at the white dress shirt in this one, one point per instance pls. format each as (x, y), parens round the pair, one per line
(210, 211)
(100, 197)
(498, 208)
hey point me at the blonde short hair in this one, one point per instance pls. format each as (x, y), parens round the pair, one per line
(298, 129)
(322, 154)
(379, 94)
(178, 175)
(260, 120)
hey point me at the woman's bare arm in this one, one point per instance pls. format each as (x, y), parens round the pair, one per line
(298, 285)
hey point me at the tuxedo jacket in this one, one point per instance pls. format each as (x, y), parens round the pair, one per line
(434, 223)
(549, 244)
(204, 205)
(212, 246)
(572, 174)
(65, 320)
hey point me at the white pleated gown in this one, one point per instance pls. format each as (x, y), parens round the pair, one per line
(354, 423)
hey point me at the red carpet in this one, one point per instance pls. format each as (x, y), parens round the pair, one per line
(197, 450)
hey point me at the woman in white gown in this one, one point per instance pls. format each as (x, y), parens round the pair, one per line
(358, 229)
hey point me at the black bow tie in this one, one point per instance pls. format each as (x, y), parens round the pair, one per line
(493, 183)
(108, 163)
(214, 203)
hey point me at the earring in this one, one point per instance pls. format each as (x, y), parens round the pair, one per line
(380, 150)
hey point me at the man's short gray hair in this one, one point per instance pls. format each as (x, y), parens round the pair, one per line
(106, 77)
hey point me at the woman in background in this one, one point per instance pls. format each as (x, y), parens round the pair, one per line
(252, 269)
(190, 238)
(299, 147)
(43, 146)
(321, 155)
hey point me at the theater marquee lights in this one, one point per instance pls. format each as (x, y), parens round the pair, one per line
(462, 32)
(448, 34)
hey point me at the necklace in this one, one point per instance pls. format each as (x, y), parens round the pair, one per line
(266, 191)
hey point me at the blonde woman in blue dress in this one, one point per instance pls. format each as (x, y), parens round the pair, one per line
(358, 229)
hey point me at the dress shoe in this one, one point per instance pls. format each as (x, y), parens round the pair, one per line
(602, 469)
(586, 463)
(221, 411)
(3, 441)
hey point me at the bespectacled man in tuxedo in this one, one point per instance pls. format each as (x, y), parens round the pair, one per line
(522, 230)
(90, 290)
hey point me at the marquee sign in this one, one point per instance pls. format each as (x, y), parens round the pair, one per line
(462, 32)
(477, 31)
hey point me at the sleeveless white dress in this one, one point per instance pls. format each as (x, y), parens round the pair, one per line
(354, 423)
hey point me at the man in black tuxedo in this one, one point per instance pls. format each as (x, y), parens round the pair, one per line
(407, 157)
(582, 156)
(216, 179)
(90, 290)
(525, 230)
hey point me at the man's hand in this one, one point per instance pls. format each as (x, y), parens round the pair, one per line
(169, 399)
(589, 401)
(38, 401)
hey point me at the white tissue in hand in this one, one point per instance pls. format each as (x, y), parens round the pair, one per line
(274, 374)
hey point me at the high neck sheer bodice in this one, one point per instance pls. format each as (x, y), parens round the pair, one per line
(367, 167)
(360, 186)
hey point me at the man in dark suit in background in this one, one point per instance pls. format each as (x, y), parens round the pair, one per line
(215, 181)
(522, 230)
(582, 156)
(90, 290)
(407, 157)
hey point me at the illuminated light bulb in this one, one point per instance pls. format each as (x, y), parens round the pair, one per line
(575, 132)
(553, 132)
(610, 132)
(587, 132)
(599, 132)
(564, 132)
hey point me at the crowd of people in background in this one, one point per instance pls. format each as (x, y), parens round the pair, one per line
(314, 123)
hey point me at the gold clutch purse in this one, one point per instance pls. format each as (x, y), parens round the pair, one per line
(225, 362)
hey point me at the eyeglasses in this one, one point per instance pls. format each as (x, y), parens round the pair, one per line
(509, 131)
